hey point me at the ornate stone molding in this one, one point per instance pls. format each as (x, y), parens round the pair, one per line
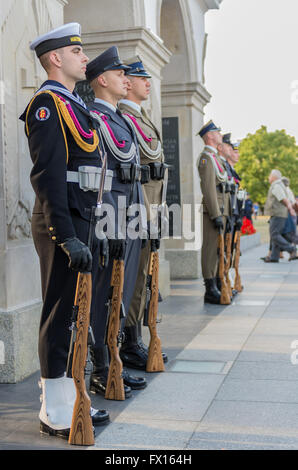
(185, 94)
(147, 42)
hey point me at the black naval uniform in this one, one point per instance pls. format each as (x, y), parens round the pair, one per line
(133, 193)
(61, 212)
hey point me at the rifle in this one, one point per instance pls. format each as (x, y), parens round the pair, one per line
(225, 298)
(155, 360)
(81, 430)
(115, 385)
(237, 282)
(228, 240)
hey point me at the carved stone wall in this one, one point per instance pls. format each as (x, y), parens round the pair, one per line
(20, 75)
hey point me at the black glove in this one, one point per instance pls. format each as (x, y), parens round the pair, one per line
(117, 249)
(155, 244)
(238, 224)
(80, 257)
(229, 225)
(144, 242)
(104, 253)
(218, 222)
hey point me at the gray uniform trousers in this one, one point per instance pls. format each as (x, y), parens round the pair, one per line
(278, 241)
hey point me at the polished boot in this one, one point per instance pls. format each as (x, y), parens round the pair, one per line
(99, 375)
(212, 294)
(131, 353)
(143, 345)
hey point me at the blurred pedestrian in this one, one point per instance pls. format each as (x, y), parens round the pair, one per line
(278, 205)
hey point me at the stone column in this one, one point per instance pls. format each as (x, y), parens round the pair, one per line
(186, 102)
(20, 296)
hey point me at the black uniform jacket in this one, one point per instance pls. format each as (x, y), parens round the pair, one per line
(124, 134)
(54, 151)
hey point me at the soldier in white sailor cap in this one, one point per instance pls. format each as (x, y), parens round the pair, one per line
(61, 138)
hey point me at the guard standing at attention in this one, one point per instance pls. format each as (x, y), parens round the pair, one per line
(134, 353)
(62, 138)
(106, 75)
(213, 176)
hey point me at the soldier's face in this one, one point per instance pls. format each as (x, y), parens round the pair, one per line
(73, 62)
(139, 88)
(236, 155)
(116, 83)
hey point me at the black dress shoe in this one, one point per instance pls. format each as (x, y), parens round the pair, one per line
(98, 384)
(269, 260)
(133, 352)
(135, 383)
(100, 417)
(62, 433)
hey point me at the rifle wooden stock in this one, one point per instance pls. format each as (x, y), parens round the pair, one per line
(237, 283)
(225, 298)
(115, 385)
(228, 239)
(81, 431)
(155, 360)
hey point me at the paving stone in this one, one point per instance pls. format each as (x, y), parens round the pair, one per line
(280, 391)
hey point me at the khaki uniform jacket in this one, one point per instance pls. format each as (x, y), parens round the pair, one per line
(153, 189)
(215, 203)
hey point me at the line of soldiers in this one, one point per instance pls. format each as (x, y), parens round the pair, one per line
(223, 202)
(69, 142)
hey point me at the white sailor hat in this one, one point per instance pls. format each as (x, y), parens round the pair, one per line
(66, 35)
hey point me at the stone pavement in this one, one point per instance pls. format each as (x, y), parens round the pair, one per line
(231, 381)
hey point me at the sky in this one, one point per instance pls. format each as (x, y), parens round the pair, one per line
(251, 67)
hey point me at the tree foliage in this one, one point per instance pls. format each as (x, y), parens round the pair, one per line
(262, 152)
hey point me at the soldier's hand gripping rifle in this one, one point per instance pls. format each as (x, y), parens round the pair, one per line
(81, 431)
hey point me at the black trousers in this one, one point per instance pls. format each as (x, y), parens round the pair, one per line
(58, 284)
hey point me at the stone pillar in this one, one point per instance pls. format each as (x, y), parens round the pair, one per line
(20, 296)
(184, 97)
(186, 102)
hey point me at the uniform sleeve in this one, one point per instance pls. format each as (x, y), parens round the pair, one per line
(208, 186)
(48, 149)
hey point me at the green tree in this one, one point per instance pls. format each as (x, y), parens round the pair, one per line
(262, 152)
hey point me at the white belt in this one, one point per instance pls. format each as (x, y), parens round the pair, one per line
(88, 178)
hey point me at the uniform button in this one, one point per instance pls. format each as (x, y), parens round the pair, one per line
(54, 238)
(51, 229)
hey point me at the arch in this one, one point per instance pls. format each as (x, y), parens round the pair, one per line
(173, 33)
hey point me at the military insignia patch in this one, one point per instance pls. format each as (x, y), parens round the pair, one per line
(203, 161)
(42, 114)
